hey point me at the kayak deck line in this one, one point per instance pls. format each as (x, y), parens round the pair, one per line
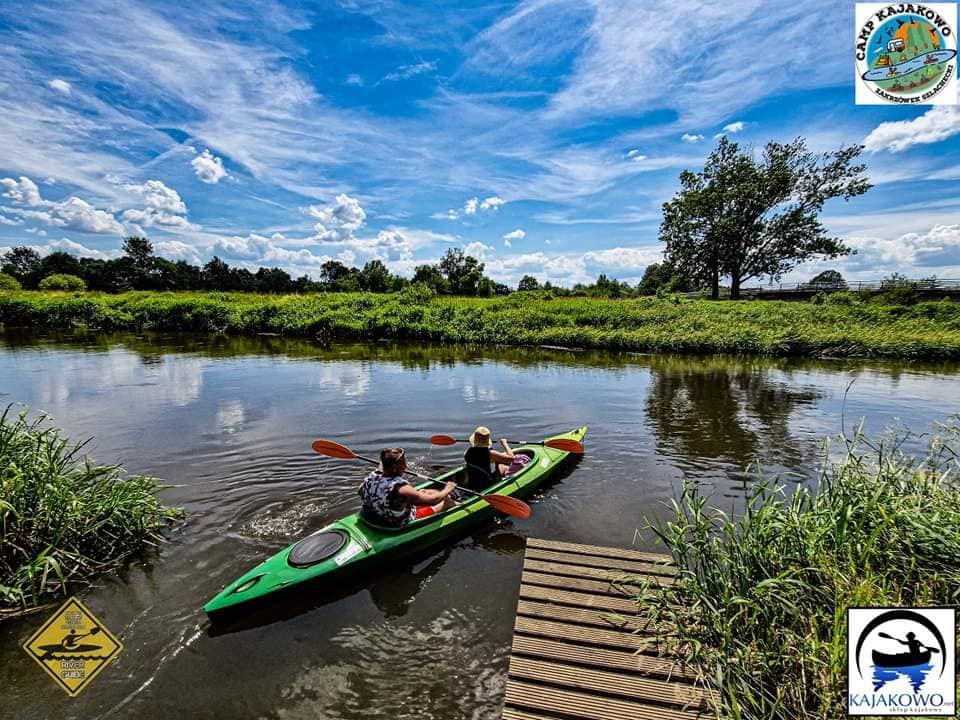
(352, 545)
(568, 652)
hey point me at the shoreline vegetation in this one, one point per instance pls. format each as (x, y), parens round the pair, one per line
(760, 604)
(838, 325)
(63, 519)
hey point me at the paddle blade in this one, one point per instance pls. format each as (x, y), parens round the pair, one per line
(508, 505)
(442, 440)
(332, 449)
(565, 444)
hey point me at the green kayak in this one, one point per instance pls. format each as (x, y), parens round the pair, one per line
(351, 545)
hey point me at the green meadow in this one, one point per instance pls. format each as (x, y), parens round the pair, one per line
(839, 325)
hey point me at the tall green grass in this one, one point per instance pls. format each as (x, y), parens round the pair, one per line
(761, 601)
(64, 519)
(928, 330)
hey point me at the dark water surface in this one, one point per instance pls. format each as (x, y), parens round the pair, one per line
(229, 421)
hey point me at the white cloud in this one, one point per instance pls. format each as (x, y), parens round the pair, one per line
(149, 217)
(338, 221)
(448, 215)
(474, 204)
(507, 243)
(688, 138)
(69, 246)
(636, 155)
(9, 221)
(176, 250)
(517, 234)
(478, 250)
(22, 192)
(60, 85)
(491, 203)
(734, 127)
(408, 71)
(159, 197)
(624, 263)
(354, 79)
(260, 250)
(938, 123)
(208, 168)
(74, 214)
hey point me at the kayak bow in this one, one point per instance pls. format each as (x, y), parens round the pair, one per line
(351, 545)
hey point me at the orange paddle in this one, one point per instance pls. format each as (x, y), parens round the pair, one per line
(504, 503)
(565, 444)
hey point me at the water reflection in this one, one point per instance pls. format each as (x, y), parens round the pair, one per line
(703, 410)
(914, 674)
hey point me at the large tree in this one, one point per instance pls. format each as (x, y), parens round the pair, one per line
(464, 273)
(744, 217)
(21, 262)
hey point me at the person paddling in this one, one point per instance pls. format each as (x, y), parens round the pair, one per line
(914, 645)
(479, 457)
(389, 500)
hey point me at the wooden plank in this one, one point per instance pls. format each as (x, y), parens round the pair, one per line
(588, 707)
(581, 616)
(611, 659)
(628, 687)
(587, 635)
(624, 605)
(615, 553)
(556, 568)
(595, 586)
(512, 714)
(600, 562)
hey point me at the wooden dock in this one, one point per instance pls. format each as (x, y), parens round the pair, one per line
(582, 650)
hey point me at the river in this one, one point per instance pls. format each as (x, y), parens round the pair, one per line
(227, 423)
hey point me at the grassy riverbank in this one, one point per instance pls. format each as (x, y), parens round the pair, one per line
(767, 593)
(63, 519)
(844, 326)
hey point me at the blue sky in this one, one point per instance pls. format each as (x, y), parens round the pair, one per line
(543, 137)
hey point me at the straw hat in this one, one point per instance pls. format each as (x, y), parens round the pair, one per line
(480, 437)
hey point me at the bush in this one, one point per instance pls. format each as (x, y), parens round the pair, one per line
(8, 282)
(62, 281)
(64, 519)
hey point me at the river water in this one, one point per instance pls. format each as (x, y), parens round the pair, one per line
(228, 422)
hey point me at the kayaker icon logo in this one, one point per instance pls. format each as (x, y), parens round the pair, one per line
(73, 646)
(901, 661)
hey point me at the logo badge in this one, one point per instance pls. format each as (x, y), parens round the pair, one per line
(901, 661)
(906, 53)
(73, 646)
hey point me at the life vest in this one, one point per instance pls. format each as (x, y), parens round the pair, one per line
(380, 502)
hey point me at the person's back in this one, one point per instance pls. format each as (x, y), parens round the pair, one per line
(381, 504)
(391, 501)
(479, 472)
(479, 458)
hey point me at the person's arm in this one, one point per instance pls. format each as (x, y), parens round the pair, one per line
(413, 496)
(505, 456)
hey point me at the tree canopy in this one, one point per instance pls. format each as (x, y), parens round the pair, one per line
(743, 217)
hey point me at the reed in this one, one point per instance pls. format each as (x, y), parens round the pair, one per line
(765, 594)
(64, 519)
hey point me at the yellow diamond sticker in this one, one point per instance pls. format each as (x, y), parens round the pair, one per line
(73, 646)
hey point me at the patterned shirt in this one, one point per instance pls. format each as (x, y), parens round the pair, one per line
(380, 501)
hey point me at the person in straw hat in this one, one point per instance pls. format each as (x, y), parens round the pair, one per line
(479, 458)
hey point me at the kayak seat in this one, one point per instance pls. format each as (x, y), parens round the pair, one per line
(316, 548)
